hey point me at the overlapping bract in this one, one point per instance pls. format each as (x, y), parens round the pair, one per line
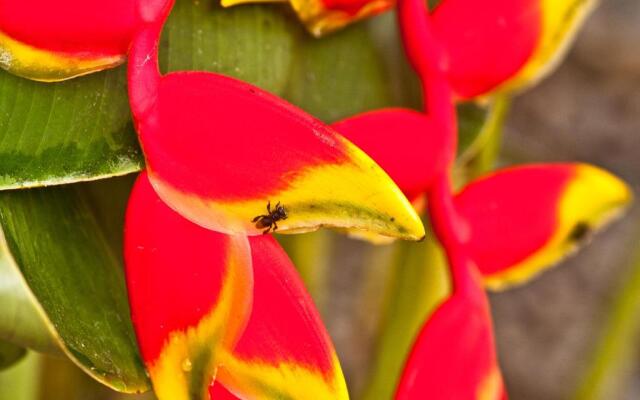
(454, 355)
(203, 309)
(52, 41)
(505, 45)
(219, 150)
(525, 219)
(324, 16)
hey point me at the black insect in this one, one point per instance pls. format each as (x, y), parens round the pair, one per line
(269, 220)
(579, 232)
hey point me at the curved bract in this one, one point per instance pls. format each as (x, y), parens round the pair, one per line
(285, 352)
(57, 40)
(454, 355)
(525, 219)
(561, 21)
(486, 42)
(190, 292)
(219, 151)
(505, 45)
(203, 304)
(409, 145)
(324, 16)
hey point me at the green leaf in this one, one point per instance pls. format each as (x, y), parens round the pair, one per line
(10, 354)
(65, 279)
(54, 133)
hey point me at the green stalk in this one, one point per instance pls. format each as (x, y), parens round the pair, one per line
(617, 347)
(311, 254)
(20, 382)
(418, 282)
(482, 155)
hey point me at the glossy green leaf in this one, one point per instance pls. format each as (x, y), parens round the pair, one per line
(10, 354)
(53, 133)
(64, 274)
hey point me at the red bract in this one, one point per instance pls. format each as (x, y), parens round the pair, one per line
(55, 40)
(504, 45)
(219, 150)
(324, 16)
(486, 42)
(511, 224)
(407, 144)
(203, 309)
(454, 355)
(284, 351)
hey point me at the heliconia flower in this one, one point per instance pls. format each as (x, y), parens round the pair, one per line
(409, 145)
(525, 219)
(500, 45)
(454, 355)
(324, 16)
(190, 293)
(220, 151)
(57, 40)
(210, 306)
(284, 353)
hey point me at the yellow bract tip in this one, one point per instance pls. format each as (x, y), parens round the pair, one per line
(560, 23)
(47, 66)
(592, 198)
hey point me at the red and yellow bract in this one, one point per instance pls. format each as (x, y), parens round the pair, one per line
(454, 355)
(56, 40)
(218, 150)
(505, 45)
(210, 306)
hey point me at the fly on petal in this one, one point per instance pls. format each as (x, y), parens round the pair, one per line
(285, 352)
(525, 219)
(236, 159)
(56, 40)
(190, 292)
(454, 355)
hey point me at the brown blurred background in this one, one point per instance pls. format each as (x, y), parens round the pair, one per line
(588, 110)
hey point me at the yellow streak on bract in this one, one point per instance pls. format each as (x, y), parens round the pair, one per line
(49, 66)
(592, 197)
(216, 332)
(255, 379)
(320, 20)
(490, 387)
(561, 20)
(354, 194)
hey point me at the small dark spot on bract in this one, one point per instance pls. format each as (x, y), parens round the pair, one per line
(393, 219)
(579, 232)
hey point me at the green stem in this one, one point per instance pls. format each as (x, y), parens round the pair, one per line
(482, 155)
(311, 254)
(20, 381)
(618, 344)
(418, 282)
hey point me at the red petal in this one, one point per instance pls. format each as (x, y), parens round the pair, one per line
(527, 218)
(454, 355)
(54, 40)
(220, 150)
(408, 145)
(285, 351)
(189, 292)
(487, 42)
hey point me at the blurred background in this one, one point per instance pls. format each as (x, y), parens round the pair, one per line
(572, 333)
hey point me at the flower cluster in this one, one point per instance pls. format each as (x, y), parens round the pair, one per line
(217, 306)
